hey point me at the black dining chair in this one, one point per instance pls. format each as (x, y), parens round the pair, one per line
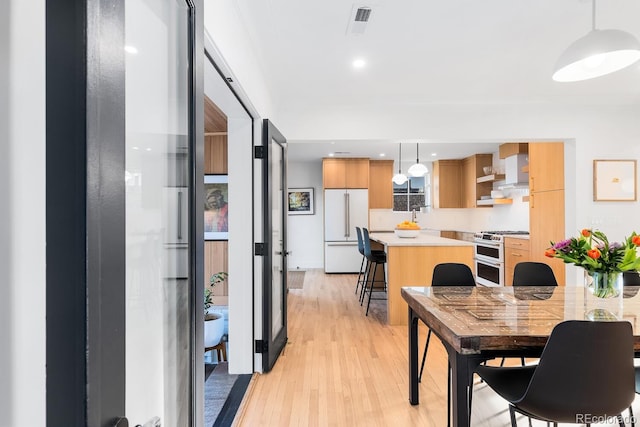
(364, 265)
(530, 273)
(533, 274)
(637, 381)
(448, 274)
(374, 258)
(585, 374)
(630, 278)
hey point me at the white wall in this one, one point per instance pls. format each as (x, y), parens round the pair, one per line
(22, 216)
(305, 238)
(222, 23)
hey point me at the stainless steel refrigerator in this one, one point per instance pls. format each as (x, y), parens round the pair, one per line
(344, 210)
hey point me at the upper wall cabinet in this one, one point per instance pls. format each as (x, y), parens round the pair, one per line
(546, 166)
(513, 148)
(345, 173)
(472, 169)
(380, 184)
(446, 184)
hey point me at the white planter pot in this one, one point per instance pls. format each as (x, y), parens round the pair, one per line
(213, 330)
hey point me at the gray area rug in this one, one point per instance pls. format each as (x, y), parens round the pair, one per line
(295, 279)
(216, 390)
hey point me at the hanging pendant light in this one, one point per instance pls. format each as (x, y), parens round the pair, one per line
(399, 178)
(598, 53)
(417, 169)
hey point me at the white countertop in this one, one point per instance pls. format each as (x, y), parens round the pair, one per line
(424, 239)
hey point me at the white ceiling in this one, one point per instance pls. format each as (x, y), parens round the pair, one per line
(430, 52)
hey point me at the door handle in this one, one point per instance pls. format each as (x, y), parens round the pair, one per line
(348, 228)
(180, 215)
(346, 214)
(121, 422)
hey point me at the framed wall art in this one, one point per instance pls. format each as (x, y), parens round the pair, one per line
(300, 201)
(614, 180)
(216, 214)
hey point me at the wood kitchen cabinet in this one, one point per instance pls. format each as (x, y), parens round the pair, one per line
(515, 251)
(546, 224)
(380, 184)
(472, 190)
(446, 184)
(546, 166)
(513, 148)
(345, 173)
(546, 202)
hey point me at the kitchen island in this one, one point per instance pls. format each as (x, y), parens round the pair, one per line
(410, 262)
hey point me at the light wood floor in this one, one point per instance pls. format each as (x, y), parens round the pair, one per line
(341, 368)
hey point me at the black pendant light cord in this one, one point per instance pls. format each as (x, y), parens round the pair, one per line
(400, 160)
(417, 154)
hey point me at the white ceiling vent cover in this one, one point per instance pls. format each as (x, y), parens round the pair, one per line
(360, 16)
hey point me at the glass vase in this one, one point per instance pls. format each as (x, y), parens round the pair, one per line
(603, 285)
(603, 295)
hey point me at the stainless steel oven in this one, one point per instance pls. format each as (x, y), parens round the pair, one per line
(489, 262)
(489, 257)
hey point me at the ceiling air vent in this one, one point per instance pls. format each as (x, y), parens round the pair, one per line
(363, 14)
(360, 16)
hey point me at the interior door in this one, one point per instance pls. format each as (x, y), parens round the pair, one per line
(159, 142)
(275, 245)
(124, 333)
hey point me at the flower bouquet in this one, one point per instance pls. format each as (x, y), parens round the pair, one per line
(603, 261)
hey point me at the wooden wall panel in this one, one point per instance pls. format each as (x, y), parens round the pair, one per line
(216, 253)
(215, 154)
(214, 119)
(216, 259)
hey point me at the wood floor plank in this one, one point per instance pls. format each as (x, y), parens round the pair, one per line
(342, 368)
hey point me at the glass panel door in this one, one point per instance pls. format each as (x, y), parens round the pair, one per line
(157, 43)
(275, 236)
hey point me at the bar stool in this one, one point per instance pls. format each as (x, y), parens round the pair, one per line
(362, 273)
(375, 258)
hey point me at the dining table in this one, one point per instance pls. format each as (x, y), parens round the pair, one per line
(479, 323)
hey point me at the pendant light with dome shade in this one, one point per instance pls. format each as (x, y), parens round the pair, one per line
(417, 169)
(598, 53)
(399, 178)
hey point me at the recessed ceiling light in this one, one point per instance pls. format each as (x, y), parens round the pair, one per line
(433, 154)
(131, 49)
(358, 63)
(382, 154)
(331, 154)
(333, 142)
(134, 148)
(148, 149)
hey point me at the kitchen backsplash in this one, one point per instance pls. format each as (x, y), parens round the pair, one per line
(500, 217)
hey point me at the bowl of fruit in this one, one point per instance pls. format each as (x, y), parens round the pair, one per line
(407, 229)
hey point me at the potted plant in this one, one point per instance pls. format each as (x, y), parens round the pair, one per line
(213, 322)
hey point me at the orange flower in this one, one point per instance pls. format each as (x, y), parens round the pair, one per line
(635, 240)
(586, 232)
(593, 253)
(550, 252)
